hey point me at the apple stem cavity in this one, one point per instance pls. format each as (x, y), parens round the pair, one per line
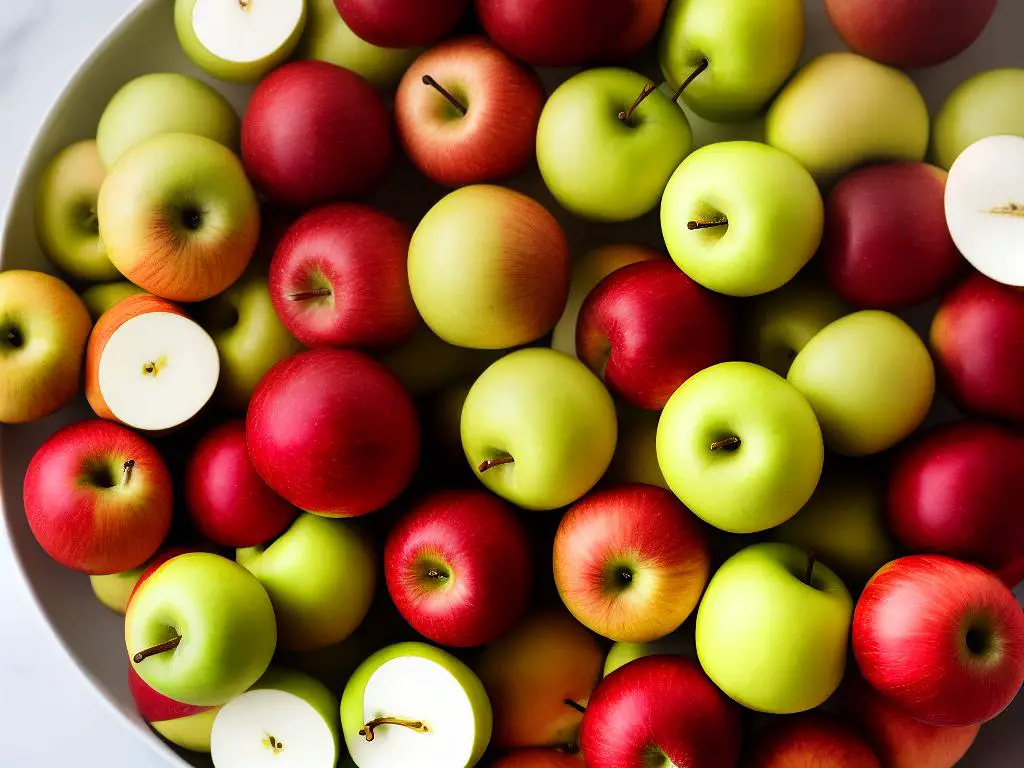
(428, 80)
(575, 705)
(316, 293)
(168, 645)
(692, 225)
(648, 89)
(726, 444)
(809, 572)
(1015, 210)
(492, 463)
(704, 64)
(126, 474)
(413, 725)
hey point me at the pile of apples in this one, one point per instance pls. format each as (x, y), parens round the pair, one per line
(382, 473)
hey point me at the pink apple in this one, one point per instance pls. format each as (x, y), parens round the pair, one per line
(315, 133)
(941, 638)
(333, 432)
(338, 278)
(648, 327)
(458, 568)
(401, 23)
(660, 707)
(98, 497)
(643, 26)
(467, 113)
(809, 739)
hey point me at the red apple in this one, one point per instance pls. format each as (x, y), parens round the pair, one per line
(976, 337)
(540, 758)
(467, 113)
(886, 243)
(809, 740)
(554, 32)
(941, 638)
(338, 278)
(401, 23)
(333, 432)
(660, 706)
(98, 497)
(631, 562)
(648, 327)
(643, 26)
(458, 568)
(315, 133)
(185, 725)
(227, 500)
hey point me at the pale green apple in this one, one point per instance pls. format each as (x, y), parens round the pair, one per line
(750, 47)
(101, 297)
(741, 218)
(114, 589)
(986, 104)
(164, 102)
(679, 643)
(740, 447)
(66, 223)
(426, 363)
(607, 143)
(772, 632)
(415, 704)
(200, 629)
(328, 38)
(320, 575)
(869, 378)
(539, 428)
(636, 450)
(827, 116)
(191, 733)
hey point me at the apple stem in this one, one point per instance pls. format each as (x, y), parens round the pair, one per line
(492, 463)
(648, 89)
(575, 705)
(809, 572)
(704, 64)
(413, 725)
(126, 475)
(1010, 209)
(727, 444)
(316, 293)
(169, 645)
(244, 4)
(428, 80)
(692, 225)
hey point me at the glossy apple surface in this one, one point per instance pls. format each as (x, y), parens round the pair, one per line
(643, 26)
(809, 739)
(402, 23)
(102, 296)
(979, 107)
(184, 725)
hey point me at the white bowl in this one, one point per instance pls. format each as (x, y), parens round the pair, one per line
(144, 41)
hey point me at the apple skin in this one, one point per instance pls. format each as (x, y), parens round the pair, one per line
(981, 106)
(679, 643)
(647, 328)
(941, 638)
(494, 139)
(806, 740)
(101, 297)
(333, 432)
(976, 335)
(538, 757)
(636, 449)
(910, 33)
(185, 725)
(886, 243)
(426, 364)
(314, 133)
(368, 303)
(631, 562)
(402, 23)
(114, 589)
(644, 24)
(660, 705)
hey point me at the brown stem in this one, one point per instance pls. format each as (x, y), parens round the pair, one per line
(492, 463)
(126, 475)
(727, 444)
(316, 293)
(169, 645)
(244, 4)
(648, 89)
(809, 572)
(575, 705)
(692, 225)
(413, 725)
(428, 80)
(704, 63)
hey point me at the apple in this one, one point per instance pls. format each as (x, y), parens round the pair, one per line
(540, 677)
(148, 365)
(178, 217)
(328, 293)
(870, 380)
(114, 589)
(539, 757)
(679, 643)
(886, 243)
(239, 41)
(910, 33)
(538, 428)
(426, 364)
(647, 328)
(741, 218)
(941, 638)
(200, 651)
(402, 23)
(43, 337)
(808, 739)
(825, 115)
(412, 702)
(726, 71)
(772, 629)
(313, 133)
(983, 105)
(489, 268)
(333, 432)
(466, 112)
(102, 296)
(740, 447)
(162, 556)
(164, 102)
(660, 710)
(641, 29)
(607, 143)
(636, 449)
(185, 725)
(631, 562)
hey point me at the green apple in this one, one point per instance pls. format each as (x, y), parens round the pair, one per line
(983, 105)
(827, 116)
(679, 643)
(287, 719)
(42, 342)
(636, 450)
(539, 428)
(607, 143)
(328, 38)
(772, 629)
(320, 575)
(67, 227)
(239, 41)
(114, 589)
(741, 51)
(191, 732)
(740, 447)
(164, 102)
(741, 218)
(415, 704)
(200, 629)
(426, 363)
(101, 297)
(869, 378)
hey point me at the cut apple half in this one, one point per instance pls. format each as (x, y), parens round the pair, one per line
(149, 366)
(244, 31)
